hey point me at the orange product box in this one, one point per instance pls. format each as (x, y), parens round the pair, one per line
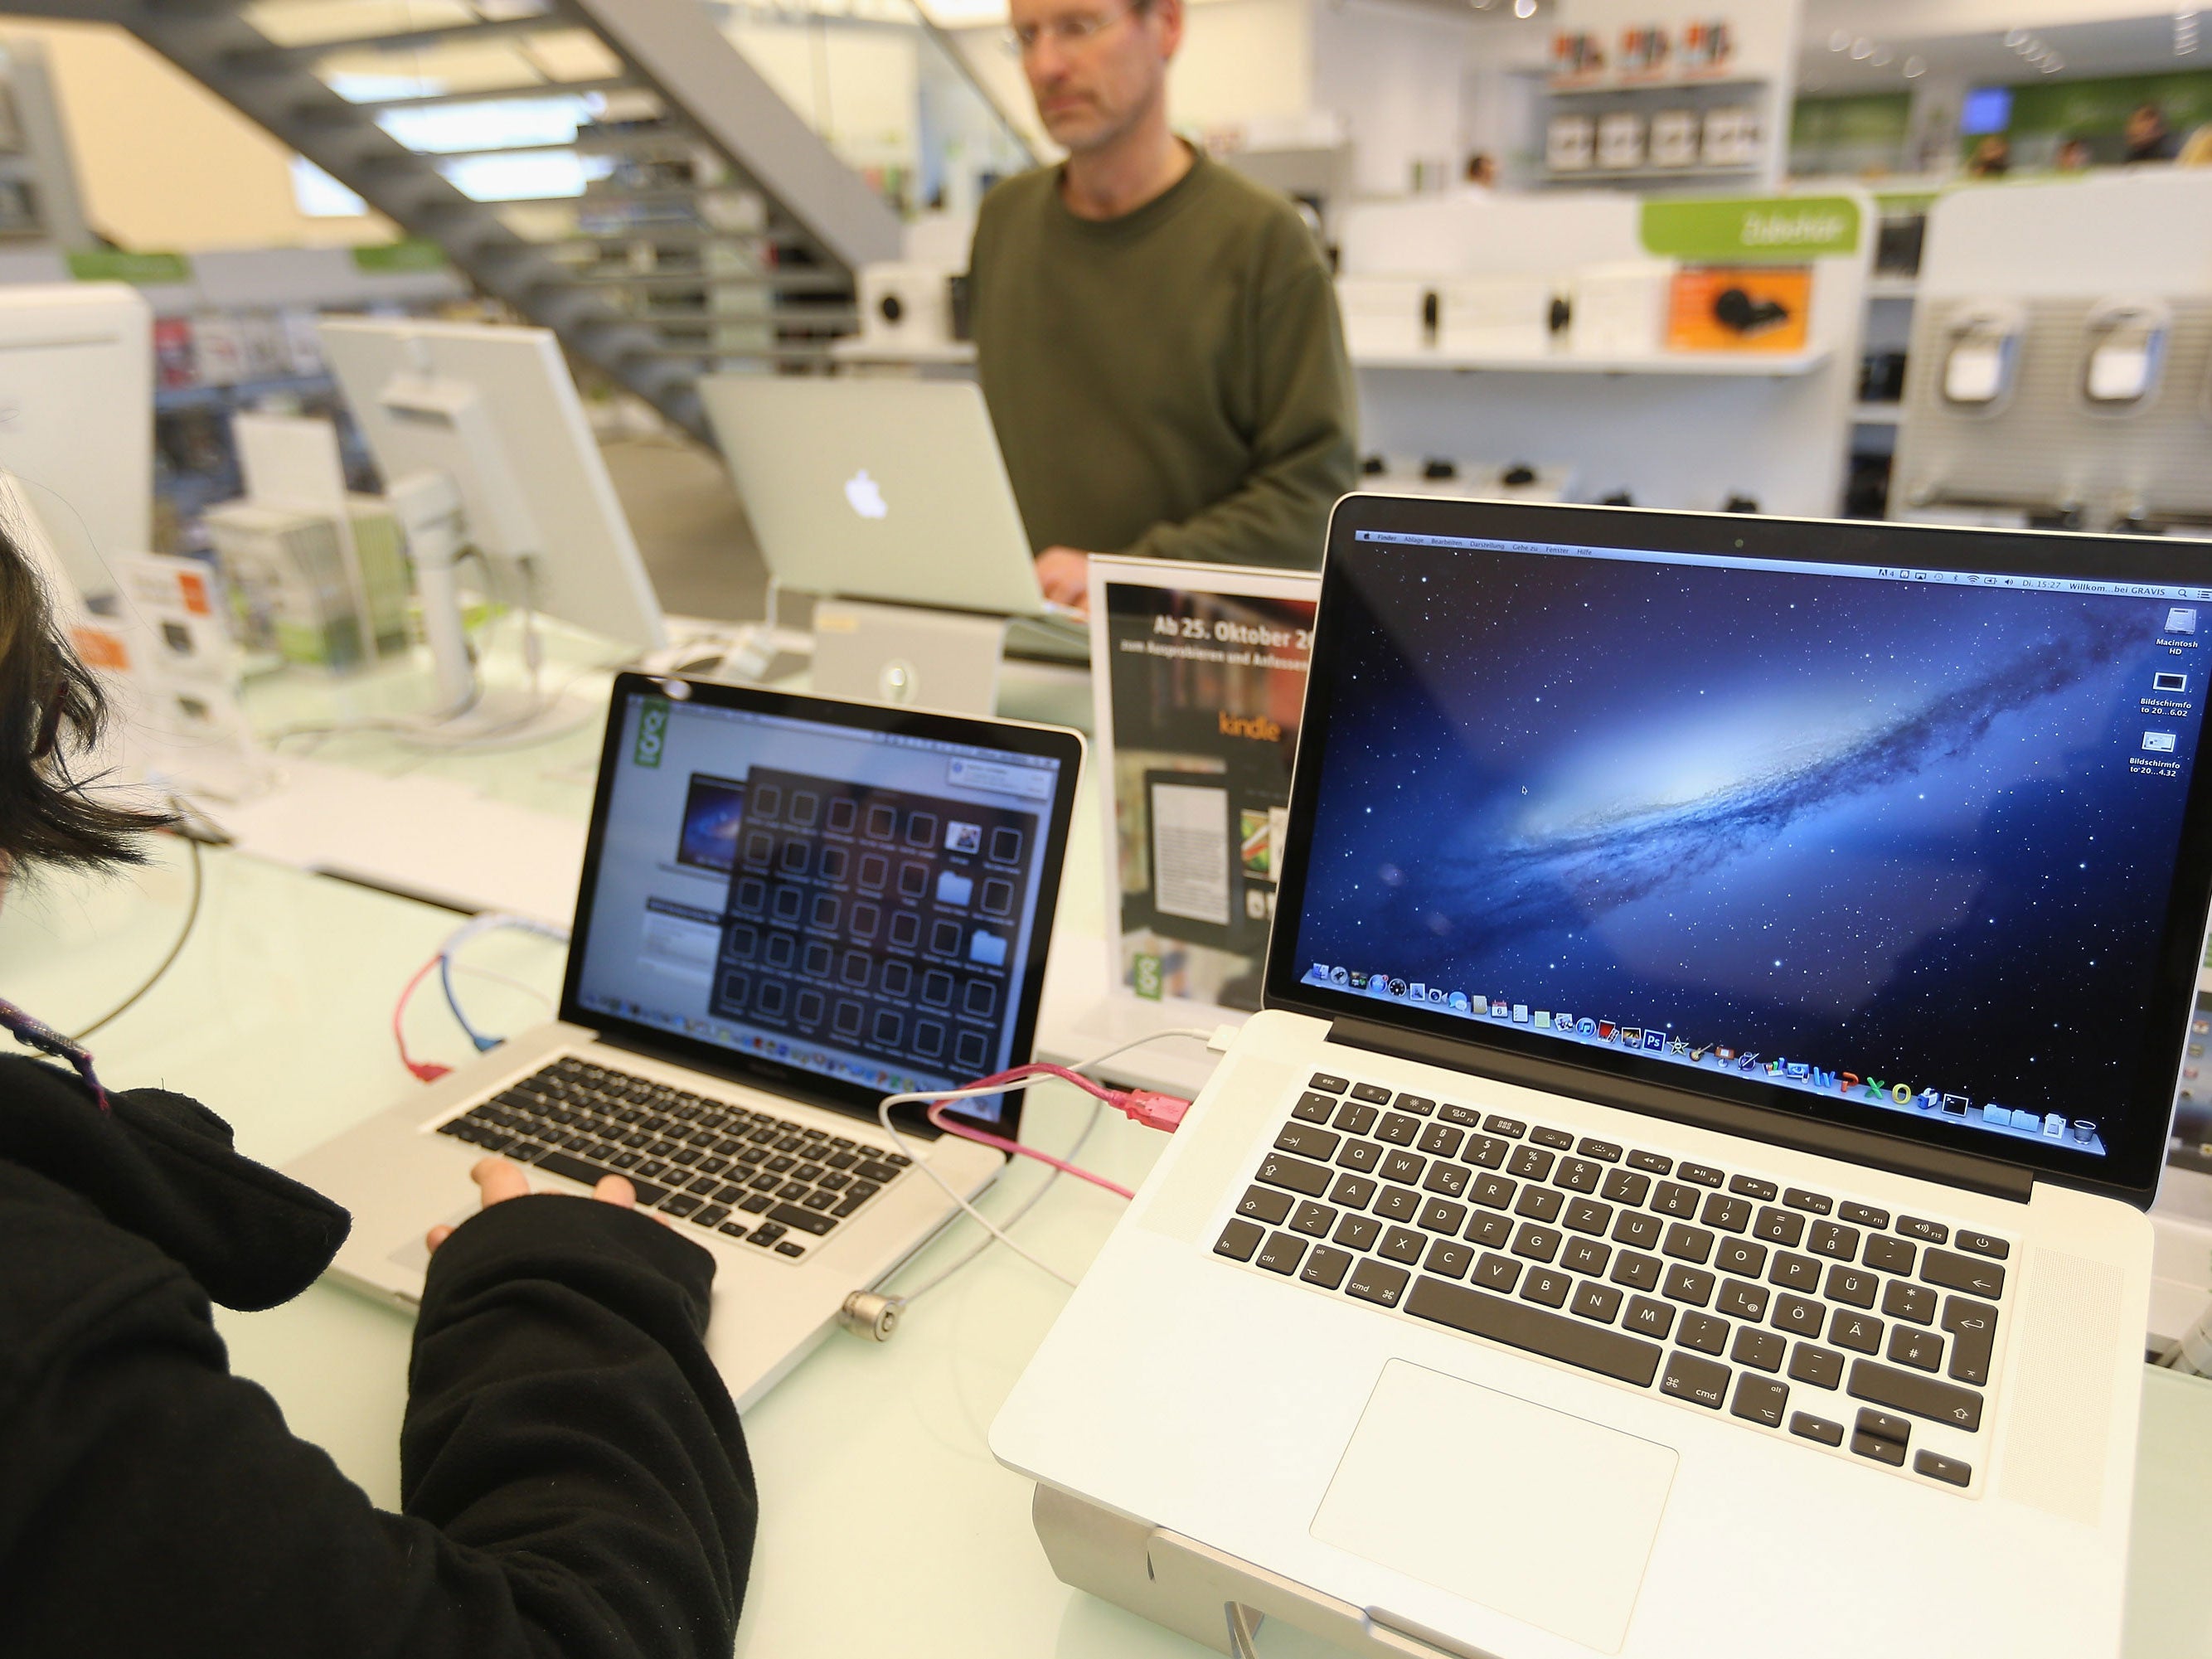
(1739, 308)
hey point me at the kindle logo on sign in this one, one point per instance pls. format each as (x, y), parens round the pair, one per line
(651, 732)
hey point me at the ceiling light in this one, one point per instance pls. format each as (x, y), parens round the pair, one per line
(1883, 58)
(1839, 40)
(2015, 38)
(2053, 64)
(1914, 67)
(1861, 49)
(1524, 7)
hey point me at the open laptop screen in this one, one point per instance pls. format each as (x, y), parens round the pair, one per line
(1898, 844)
(849, 900)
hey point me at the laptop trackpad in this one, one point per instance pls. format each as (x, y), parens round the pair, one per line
(1545, 1517)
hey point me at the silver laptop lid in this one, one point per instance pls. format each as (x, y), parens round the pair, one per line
(838, 901)
(1889, 840)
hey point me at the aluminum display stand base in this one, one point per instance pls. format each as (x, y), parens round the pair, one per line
(1216, 1600)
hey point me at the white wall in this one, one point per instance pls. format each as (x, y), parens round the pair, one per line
(162, 163)
(1396, 74)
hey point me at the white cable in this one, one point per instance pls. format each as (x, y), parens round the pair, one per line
(927, 1098)
(507, 979)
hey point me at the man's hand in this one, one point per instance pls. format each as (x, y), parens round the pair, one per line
(1065, 575)
(499, 1180)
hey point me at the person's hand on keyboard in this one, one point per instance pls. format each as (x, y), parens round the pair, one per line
(499, 1180)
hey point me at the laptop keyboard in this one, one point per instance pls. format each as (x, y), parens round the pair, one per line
(733, 1170)
(1798, 1311)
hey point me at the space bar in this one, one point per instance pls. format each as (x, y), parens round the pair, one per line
(1573, 1341)
(576, 1169)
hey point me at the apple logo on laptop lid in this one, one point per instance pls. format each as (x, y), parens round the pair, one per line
(866, 495)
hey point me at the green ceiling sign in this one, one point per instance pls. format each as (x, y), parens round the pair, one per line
(1751, 227)
(393, 258)
(113, 265)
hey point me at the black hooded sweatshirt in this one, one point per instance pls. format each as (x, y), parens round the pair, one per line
(573, 1479)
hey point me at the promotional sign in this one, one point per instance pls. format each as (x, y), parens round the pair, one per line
(1200, 674)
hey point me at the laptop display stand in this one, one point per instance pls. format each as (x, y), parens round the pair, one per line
(908, 656)
(1216, 1600)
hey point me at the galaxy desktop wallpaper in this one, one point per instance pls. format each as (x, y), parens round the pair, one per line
(1904, 830)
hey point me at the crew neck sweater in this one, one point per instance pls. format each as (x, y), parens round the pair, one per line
(1171, 383)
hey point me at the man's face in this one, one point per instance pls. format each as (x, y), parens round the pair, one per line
(1095, 66)
(2144, 125)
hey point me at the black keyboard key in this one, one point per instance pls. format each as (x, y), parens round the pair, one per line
(1512, 1128)
(1441, 1215)
(1402, 1245)
(1547, 1286)
(1398, 1204)
(1700, 1174)
(1277, 1169)
(1541, 1203)
(1823, 1368)
(1325, 1266)
(1598, 1302)
(1354, 1119)
(1837, 1244)
(1398, 1130)
(880, 1169)
(1497, 1273)
(1530, 1163)
(1587, 1215)
(1914, 1302)
(1795, 1272)
(1558, 1140)
(1307, 1141)
(1863, 1215)
(794, 1189)
(1676, 1200)
(1692, 1285)
(1449, 1179)
(1860, 1331)
(1466, 1117)
(846, 1207)
(680, 1205)
(1489, 1228)
(807, 1221)
(1955, 1272)
(713, 1216)
(1922, 1350)
(1381, 1283)
(1936, 1468)
(1536, 1243)
(1373, 1093)
(1313, 1108)
(1450, 1259)
(1360, 1155)
(1606, 1151)
(1519, 1325)
(1419, 1105)
(1585, 1255)
(1495, 1191)
(1281, 1254)
(754, 1203)
(1760, 1349)
(1782, 1227)
(1742, 1299)
(1649, 1318)
(1328, 1082)
(1703, 1332)
(1239, 1239)
(1689, 1378)
(1891, 1255)
(1740, 1255)
(1358, 1232)
(1798, 1315)
(1687, 1243)
(1578, 1175)
(1891, 1452)
(1404, 1167)
(1759, 1400)
(1733, 1214)
(1752, 1187)
(1817, 1428)
(1812, 1203)
(1973, 1329)
(1487, 1151)
(1852, 1286)
(1922, 1396)
(816, 1200)
(1441, 1140)
(1313, 1219)
(1982, 1244)
(1928, 1232)
(1638, 1273)
(1636, 1228)
(1651, 1163)
(576, 1169)
(1351, 1191)
(1264, 1204)
(1625, 1187)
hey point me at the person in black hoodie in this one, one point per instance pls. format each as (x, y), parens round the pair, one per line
(573, 1479)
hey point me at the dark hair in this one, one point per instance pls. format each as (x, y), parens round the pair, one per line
(51, 706)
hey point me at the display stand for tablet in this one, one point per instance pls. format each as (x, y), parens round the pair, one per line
(1216, 1600)
(908, 656)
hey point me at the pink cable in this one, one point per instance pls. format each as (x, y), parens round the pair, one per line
(936, 1115)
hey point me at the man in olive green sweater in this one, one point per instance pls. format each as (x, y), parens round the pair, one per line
(1158, 338)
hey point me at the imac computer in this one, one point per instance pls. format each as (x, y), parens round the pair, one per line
(484, 449)
(77, 429)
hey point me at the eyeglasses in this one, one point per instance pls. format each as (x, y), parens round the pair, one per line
(1075, 30)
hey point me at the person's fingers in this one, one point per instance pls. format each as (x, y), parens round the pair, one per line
(497, 1179)
(615, 1189)
(437, 1235)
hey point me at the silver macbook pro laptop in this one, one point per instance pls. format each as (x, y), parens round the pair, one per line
(789, 909)
(1683, 1194)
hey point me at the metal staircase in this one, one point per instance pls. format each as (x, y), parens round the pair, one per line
(614, 170)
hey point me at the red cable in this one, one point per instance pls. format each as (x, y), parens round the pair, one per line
(425, 1070)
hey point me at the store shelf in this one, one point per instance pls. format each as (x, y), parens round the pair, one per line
(1765, 365)
(1893, 288)
(1631, 175)
(863, 351)
(1677, 84)
(1877, 414)
(172, 397)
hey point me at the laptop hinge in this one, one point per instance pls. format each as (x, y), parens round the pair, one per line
(1879, 1152)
